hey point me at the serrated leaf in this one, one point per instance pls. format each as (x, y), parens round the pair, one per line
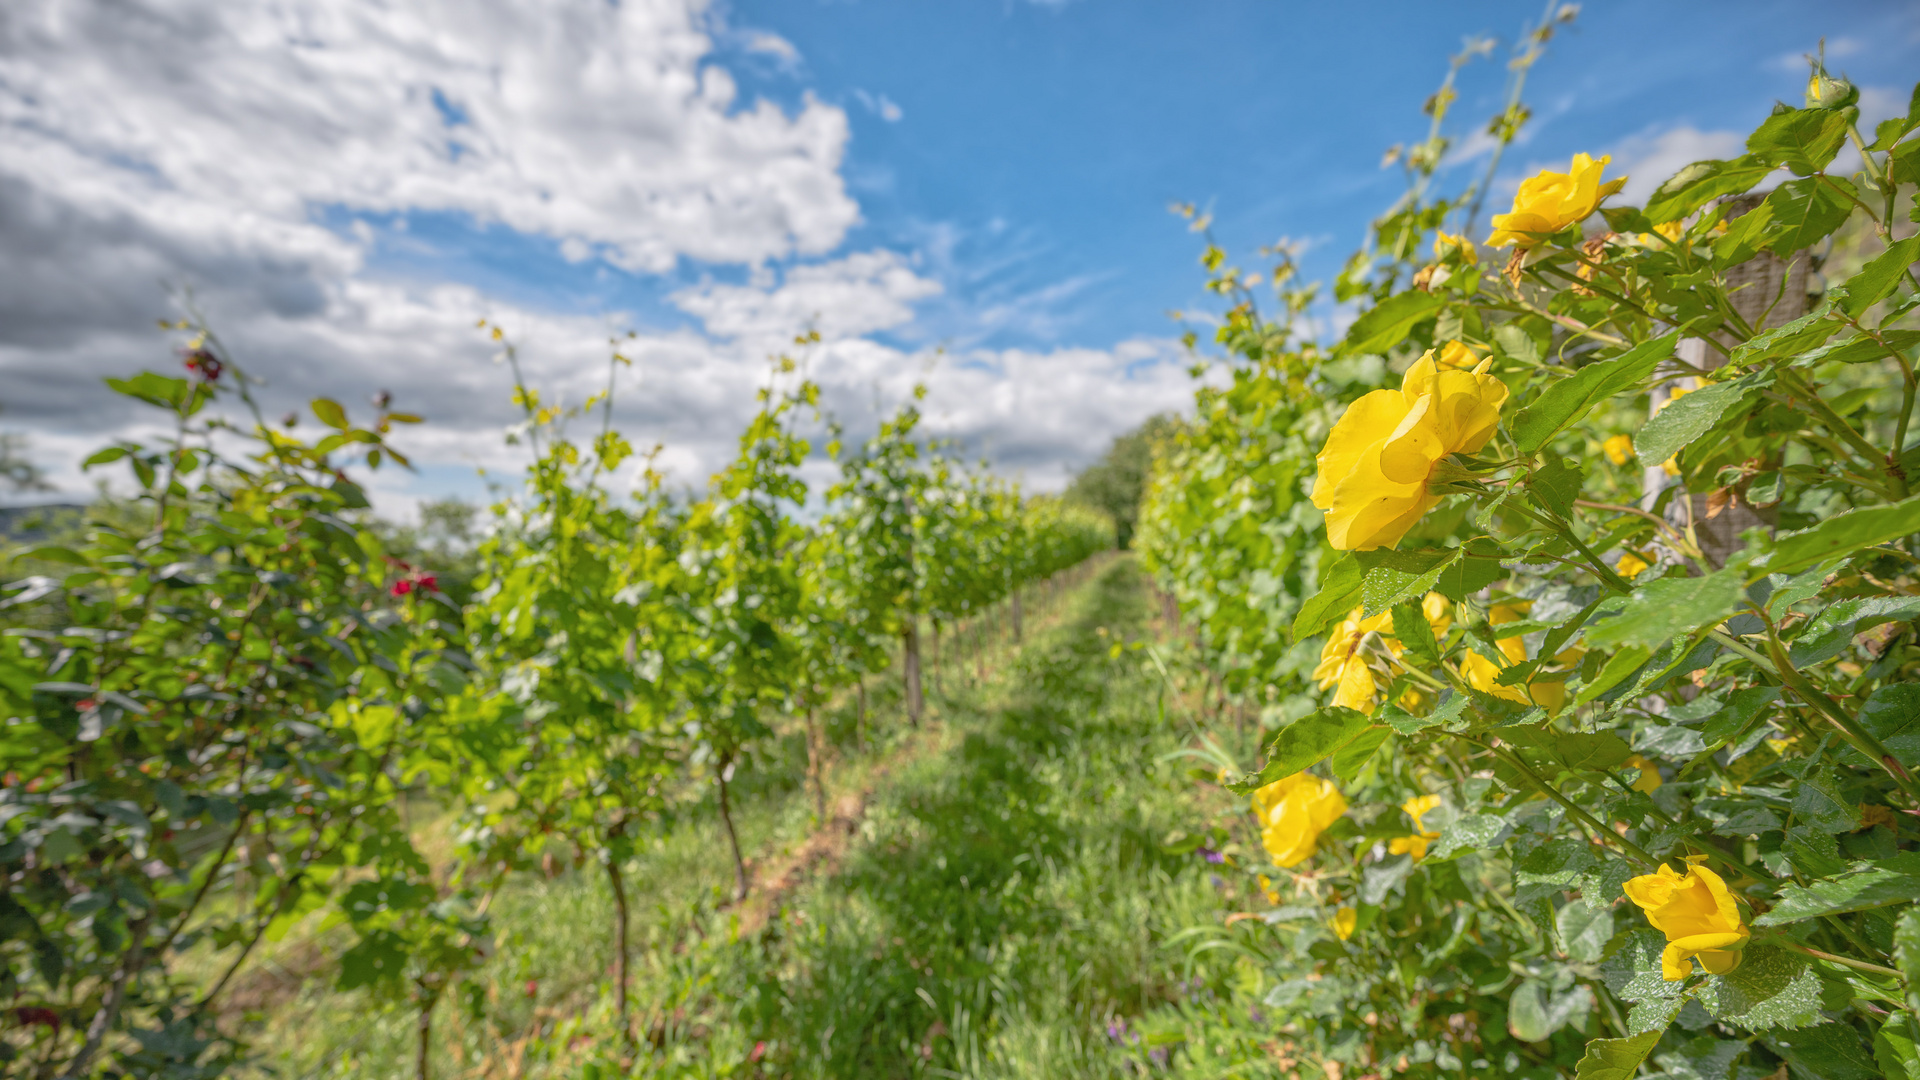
(1414, 632)
(1469, 832)
(1772, 988)
(1568, 399)
(1865, 886)
(1392, 577)
(1556, 483)
(1894, 1050)
(1632, 972)
(1804, 140)
(1477, 567)
(1702, 182)
(1388, 323)
(1685, 419)
(1830, 632)
(1807, 210)
(1338, 594)
(1406, 723)
(1304, 743)
(1571, 751)
(1655, 613)
(1794, 338)
(1844, 533)
(1821, 800)
(1384, 877)
(1830, 1051)
(1616, 1059)
(1622, 664)
(1892, 715)
(1881, 276)
(1584, 928)
(1347, 761)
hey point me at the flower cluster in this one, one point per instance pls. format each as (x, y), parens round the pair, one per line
(1344, 660)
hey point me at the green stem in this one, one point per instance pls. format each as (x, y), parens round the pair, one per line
(1845, 961)
(1850, 729)
(1550, 792)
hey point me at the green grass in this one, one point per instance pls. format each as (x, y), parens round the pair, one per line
(1005, 904)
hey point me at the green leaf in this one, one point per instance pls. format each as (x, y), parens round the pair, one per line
(1822, 801)
(1729, 722)
(1616, 1059)
(1632, 972)
(1673, 605)
(1624, 662)
(1892, 129)
(105, 455)
(1395, 577)
(1468, 832)
(1843, 534)
(1892, 715)
(1906, 954)
(1771, 988)
(64, 556)
(1808, 211)
(1584, 927)
(1867, 885)
(1829, 1051)
(1881, 276)
(1894, 1051)
(1389, 322)
(1415, 633)
(1338, 594)
(1829, 633)
(1744, 237)
(1702, 182)
(1792, 339)
(1407, 724)
(330, 413)
(1347, 761)
(1804, 140)
(1556, 483)
(1304, 743)
(1687, 418)
(1571, 751)
(153, 388)
(1568, 399)
(1477, 567)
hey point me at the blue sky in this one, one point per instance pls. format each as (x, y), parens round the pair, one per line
(972, 193)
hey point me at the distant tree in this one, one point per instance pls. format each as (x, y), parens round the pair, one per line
(1114, 483)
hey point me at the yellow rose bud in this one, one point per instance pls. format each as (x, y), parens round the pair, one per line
(1439, 612)
(1379, 458)
(1551, 201)
(1697, 913)
(1445, 244)
(1649, 780)
(1619, 449)
(1293, 812)
(1344, 921)
(1630, 565)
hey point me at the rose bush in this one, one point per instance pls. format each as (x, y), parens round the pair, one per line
(1642, 793)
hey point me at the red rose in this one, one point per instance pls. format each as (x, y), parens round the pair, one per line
(401, 587)
(428, 582)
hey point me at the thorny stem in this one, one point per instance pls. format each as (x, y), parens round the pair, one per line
(1845, 961)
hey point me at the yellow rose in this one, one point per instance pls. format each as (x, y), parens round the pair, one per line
(1293, 812)
(1649, 780)
(1344, 664)
(1619, 449)
(1344, 921)
(1377, 461)
(1417, 843)
(1630, 565)
(1551, 201)
(1439, 612)
(1445, 243)
(1483, 674)
(1697, 914)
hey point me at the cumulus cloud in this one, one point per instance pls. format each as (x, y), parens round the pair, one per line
(859, 294)
(1649, 158)
(593, 122)
(250, 152)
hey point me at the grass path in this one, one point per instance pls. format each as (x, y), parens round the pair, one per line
(991, 898)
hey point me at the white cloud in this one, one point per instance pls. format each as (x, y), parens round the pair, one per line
(880, 105)
(147, 144)
(773, 45)
(1650, 158)
(848, 297)
(592, 122)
